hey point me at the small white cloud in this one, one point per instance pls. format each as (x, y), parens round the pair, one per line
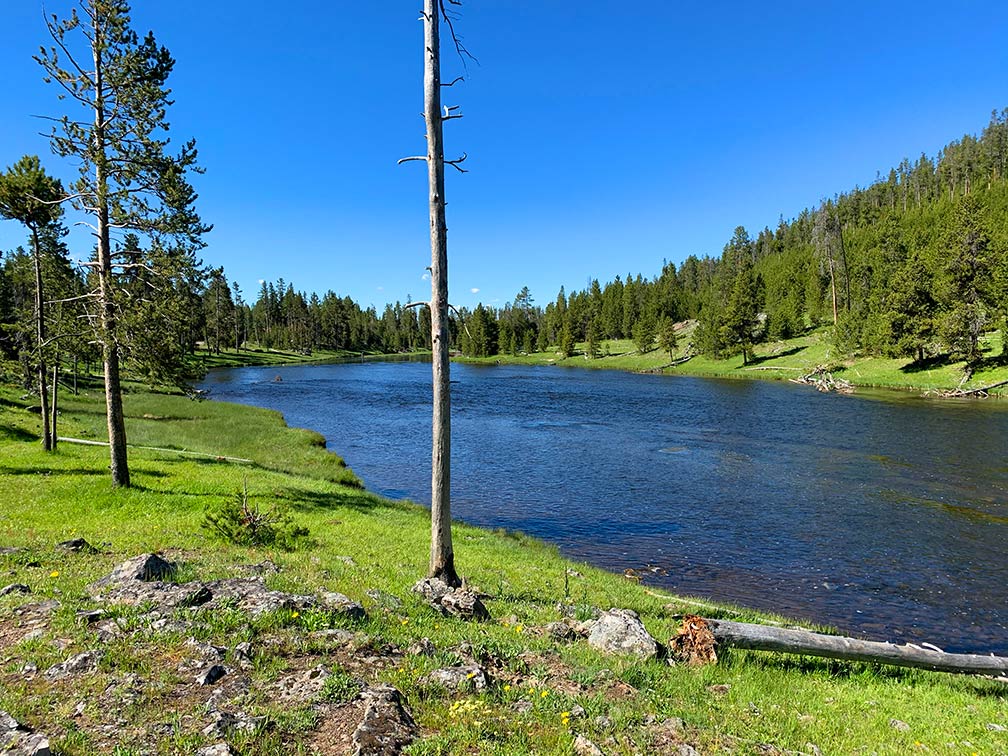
(474, 290)
(262, 281)
(381, 288)
(425, 277)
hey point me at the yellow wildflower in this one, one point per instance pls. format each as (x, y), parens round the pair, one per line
(54, 573)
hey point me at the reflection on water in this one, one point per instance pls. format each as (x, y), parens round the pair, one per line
(886, 516)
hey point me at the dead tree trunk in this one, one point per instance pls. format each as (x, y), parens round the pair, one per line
(55, 401)
(40, 334)
(442, 558)
(764, 638)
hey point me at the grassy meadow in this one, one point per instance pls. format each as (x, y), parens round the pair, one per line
(783, 360)
(543, 693)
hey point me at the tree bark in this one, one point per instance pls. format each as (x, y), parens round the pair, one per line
(55, 401)
(442, 558)
(110, 349)
(40, 334)
(764, 638)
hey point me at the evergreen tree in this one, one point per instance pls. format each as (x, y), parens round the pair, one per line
(128, 180)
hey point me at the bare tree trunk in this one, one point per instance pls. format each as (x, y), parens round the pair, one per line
(442, 558)
(832, 278)
(55, 400)
(40, 333)
(110, 349)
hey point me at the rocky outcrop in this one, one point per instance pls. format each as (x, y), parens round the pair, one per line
(457, 602)
(387, 726)
(18, 740)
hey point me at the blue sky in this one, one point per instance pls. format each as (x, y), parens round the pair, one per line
(602, 138)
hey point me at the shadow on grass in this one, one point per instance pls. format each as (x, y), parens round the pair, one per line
(16, 434)
(305, 500)
(49, 471)
(928, 363)
(786, 353)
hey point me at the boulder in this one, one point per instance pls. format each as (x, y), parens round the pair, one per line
(301, 687)
(620, 631)
(18, 740)
(466, 677)
(458, 602)
(144, 567)
(387, 726)
(584, 747)
(341, 606)
(7, 590)
(75, 665)
(76, 545)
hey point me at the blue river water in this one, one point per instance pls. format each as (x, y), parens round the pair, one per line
(883, 515)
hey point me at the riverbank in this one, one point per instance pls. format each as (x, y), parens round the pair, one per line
(781, 360)
(541, 692)
(252, 356)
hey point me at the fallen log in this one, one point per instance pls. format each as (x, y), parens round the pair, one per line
(791, 641)
(981, 392)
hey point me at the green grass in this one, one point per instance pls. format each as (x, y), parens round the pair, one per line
(363, 542)
(257, 355)
(782, 360)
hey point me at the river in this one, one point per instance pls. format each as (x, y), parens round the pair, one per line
(882, 515)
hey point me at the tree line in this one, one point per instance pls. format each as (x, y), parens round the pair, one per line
(914, 265)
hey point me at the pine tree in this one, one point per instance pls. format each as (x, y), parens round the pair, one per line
(128, 180)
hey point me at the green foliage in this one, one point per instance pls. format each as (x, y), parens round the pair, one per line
(668, 339)
(242, 523)
(644, 335)
(28, 195)
(567, 339)
(340, 687)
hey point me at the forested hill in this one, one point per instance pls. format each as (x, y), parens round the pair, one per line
(914, 265)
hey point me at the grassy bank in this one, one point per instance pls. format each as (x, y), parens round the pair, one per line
(250, 355)
(782, 360)
(542, 692)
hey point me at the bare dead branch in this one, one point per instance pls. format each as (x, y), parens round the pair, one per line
(400, 161)
(453, 82)
(461, 319)
(460, 49)
(456, 163)
(415, 304)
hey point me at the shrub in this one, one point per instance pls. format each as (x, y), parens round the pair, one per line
(243, 523)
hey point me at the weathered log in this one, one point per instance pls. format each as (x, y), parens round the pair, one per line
(763, 638)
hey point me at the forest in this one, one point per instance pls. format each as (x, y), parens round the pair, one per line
(914, 265)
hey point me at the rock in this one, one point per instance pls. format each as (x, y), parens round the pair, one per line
(458, 602)
(603, 722)
(28, 744)
(7, 590)
(584, 747)
(521, 706)
(674, 724)
(899, 725)
(996, 727)
(341, 606)
(423, 647)
(469, 676)
(145, 567)
(685, 749)
(7, 550)
(620, 631)
(250, 595)
(224, 723)
(301, 686)
(432, 590)
(719, 690)
(333, 636)
(348, 561)
(561, 631)
(265, 567)
(387, 726)
(211, 674)
(90, 616)
(577, 711)
(18, 740)
(382, 599)
(217, 749)
(465, 604)
(77, 545)
(75, 665)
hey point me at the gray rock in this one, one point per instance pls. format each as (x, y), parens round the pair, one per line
(75, 665)
(382, 599)
(465, 604)
(620, 631)
(262, 568)
(223, 723)
(341, 606)
(28, 744)
(584, 747)
(333, 636)
(899, 725)
(387, 726)
(459, 602)
(90, 616)
(996, 727)
(8, 724)
(211, 674)
(301, 686)
(7, 590)
(521, 706)
(577, 711)
(217, 749)
(77, 545)
(145, 567)
(561, 631)
(674, 724)
(685, 749)
(423, 647)
(466, 677)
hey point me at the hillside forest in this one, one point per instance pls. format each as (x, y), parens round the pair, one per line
(914, 265)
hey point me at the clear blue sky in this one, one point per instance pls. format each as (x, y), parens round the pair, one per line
(602, 137)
